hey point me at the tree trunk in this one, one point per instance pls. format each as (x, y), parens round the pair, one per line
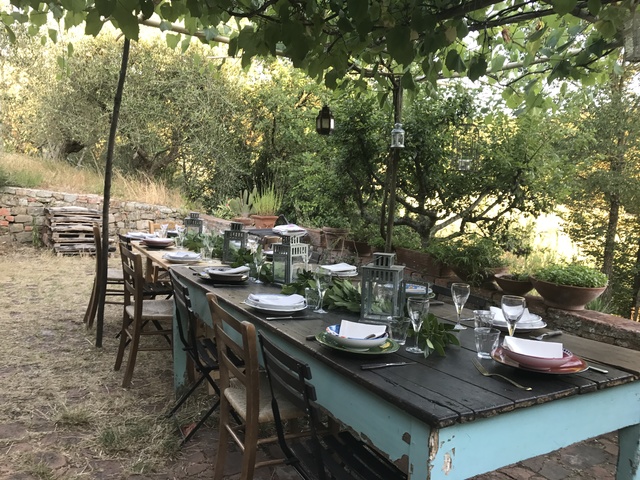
(108, 170)
(392, 172)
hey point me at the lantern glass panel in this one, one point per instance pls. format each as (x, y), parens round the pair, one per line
(234, 240)
(289, 259)
(397, 136)
(193, 223)
(382, 289)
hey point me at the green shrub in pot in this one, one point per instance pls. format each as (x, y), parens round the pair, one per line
(474, 258)
(573, 274)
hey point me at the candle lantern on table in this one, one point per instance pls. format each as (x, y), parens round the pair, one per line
(193, 223)
(289, 258)
(234, 239)
(382, 289)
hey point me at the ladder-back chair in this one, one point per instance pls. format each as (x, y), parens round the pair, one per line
(142, 317)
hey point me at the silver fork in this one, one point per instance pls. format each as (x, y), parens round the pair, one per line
(553, 333)
(486, 373)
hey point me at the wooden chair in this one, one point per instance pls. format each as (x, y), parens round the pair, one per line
(245, 391)
(200, 350)
(325, 454)
(155, 286)
(114, 286)
(156, 226)
(141, 316)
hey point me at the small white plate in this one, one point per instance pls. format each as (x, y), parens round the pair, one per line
(275, 308)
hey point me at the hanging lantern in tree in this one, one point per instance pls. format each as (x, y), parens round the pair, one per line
(383, 289)
(289, 259)
(325, 121)
(465, 147)
(234, 239)
(397, 136)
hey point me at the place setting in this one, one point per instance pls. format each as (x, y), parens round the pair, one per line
(157, 242)
(341, 270)
(225, 275)
(358, 338)
(524, 354)
(278, 305)
(182, 257)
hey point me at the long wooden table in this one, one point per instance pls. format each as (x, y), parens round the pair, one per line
(155, 256)
(441, 419)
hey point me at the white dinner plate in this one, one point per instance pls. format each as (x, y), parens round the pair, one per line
(275, 308)
(181, 260)
(524, 328)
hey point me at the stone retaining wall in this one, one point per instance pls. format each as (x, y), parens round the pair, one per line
(22, 217)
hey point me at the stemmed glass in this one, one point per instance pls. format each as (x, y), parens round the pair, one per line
(258, 260)
(417, 307)
(182, 235)
(459, 293)
(513, 310)
(323, 281)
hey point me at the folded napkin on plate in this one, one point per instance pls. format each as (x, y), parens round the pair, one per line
(277, 299)
(527, 317)
(182, 255)
(340, 268)
(228, 271)
(414, 289)
(290, 228)
(360, 330)
(141, 235)
(533, 348)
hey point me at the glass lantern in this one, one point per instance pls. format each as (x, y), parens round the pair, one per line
(465, 147)
(193, 223)
(383, 289)
(324, 121)
(289, 259)
(234, 239)
(397, 136)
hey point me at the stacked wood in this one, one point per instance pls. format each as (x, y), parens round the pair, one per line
(69, 230)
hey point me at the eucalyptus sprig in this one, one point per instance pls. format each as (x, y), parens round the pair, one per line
(436, 335)
(304, 280)
(343, 294)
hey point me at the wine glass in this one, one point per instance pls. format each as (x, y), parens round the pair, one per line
(513, 310)
(417, 307)
(459, 293)
(323, 281)
(258, 261)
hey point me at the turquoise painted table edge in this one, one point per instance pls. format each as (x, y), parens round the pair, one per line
(463, 449)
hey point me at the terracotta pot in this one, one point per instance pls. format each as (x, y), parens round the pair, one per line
(316, 237)
(264, 221)
(566, 297)
(244, 220)
(511, 286)
(478, 279)
(422, 262)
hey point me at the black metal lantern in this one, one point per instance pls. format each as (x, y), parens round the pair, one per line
(234, 240)
(193, 223)
(465, 147)
(325, 121)
(383, 289)
(397, 136)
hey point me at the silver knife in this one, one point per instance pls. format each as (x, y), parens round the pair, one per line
(371, 366)
(598, 369)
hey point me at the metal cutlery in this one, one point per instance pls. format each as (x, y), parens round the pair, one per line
(486, 373)
(290, 317)
(553, 333)
(371, 366)
(598, 369)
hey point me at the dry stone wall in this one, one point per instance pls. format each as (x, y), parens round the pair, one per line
(22, 212)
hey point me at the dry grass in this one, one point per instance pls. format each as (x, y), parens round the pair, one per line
(35, 172)
(64, 414)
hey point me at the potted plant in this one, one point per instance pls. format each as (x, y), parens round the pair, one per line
(241, 207)
(474, 259)
(265, 206)
(515, 283)
(569, 286)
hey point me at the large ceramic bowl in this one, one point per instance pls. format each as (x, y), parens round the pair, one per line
(539, 363)
(361, 343)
